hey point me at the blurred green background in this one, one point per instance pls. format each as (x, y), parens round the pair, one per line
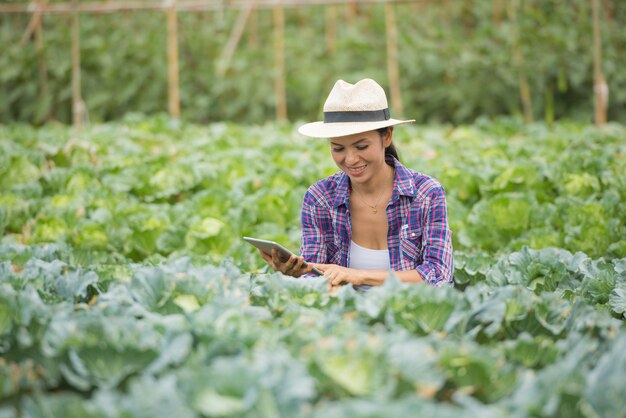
(456, 61)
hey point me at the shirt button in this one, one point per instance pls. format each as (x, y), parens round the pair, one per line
(412, 234)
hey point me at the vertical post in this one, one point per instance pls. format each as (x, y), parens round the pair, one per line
(253, 36)
(518, 58)
(549, 110)
(351, 11)
(466, 16)
(609, 10)
(496, 12)
(392, 59)
(279, 63)
(600, 88)
(446, 12)
(77, 102)
(43, 66)
(172, 60)
(417, 6)
(331, 28)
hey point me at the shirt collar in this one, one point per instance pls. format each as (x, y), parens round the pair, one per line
(402, 184)
(343, 190)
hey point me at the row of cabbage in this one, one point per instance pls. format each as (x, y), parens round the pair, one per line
(541, 334)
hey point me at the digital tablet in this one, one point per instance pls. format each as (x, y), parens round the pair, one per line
(267, 246)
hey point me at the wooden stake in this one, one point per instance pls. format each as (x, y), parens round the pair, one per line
(392, 60)
(600, 88)
(446, 12)
(279, 63)
(253, 31)
(172, 60)
(331, 29)
(524, 87)
(43, 65)
(497, 12)
(609, 10)
(233, 40)
(549, 109)
(77, 102)
(466, 16)
(417, 6)
(351, 11)
(518, 58)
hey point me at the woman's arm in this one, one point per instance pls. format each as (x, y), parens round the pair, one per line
(437, 265)
(338, 275)
(378, 277)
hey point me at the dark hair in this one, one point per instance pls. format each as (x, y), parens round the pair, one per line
(391, 149)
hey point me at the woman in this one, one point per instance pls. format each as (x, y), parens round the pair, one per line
(375, 216)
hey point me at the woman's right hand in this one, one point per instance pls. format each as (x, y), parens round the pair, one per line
(292, 267)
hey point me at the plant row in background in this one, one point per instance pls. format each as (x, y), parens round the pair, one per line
(457, 60)
(151, 188)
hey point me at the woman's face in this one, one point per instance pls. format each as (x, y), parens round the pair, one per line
(360, 156)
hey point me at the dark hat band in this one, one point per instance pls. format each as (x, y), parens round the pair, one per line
(357, 116)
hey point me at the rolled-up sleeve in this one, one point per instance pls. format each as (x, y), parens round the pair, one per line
(437, 265)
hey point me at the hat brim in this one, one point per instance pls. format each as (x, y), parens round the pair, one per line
(337, 129)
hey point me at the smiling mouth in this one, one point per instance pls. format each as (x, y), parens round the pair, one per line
(356, 170)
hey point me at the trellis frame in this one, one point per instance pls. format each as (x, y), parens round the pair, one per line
(171, 7)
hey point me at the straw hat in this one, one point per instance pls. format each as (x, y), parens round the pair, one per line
(352, 109)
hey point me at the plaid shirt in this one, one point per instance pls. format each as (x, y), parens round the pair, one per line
(418, 236)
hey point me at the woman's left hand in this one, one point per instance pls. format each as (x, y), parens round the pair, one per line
(338, 275)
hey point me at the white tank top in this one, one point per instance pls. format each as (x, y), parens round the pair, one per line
(366, 259)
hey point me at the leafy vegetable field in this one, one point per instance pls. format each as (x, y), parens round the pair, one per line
(125, 289)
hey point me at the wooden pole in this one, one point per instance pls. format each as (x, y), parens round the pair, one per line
(331, 29)
(233, 40)
(172, 60)
(417, 6)
(392, 60)
(43, 65)
(351, 11)
(518, 59)
(77, 102)
(279, 63)
(466, 16)
(549, 109)
(446, 12)
(609, 10)
(496, 12)
(253, 29)
(600, 88)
